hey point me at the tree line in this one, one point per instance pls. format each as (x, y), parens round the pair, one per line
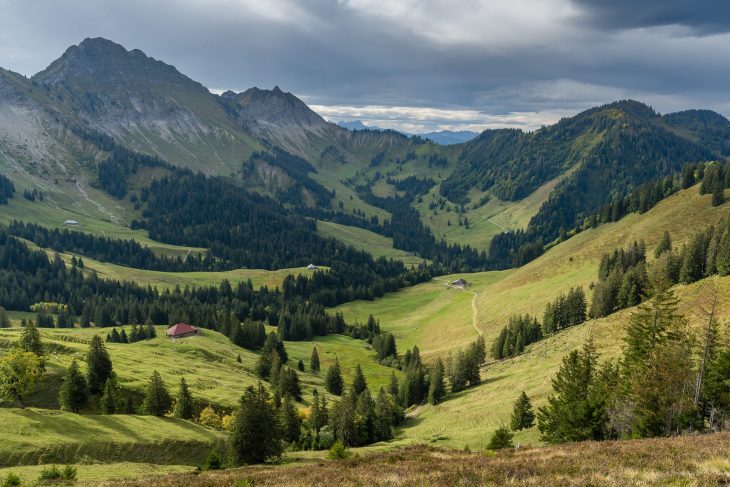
(668, 380)
(7, 189)
(522, 330)
(118, 251)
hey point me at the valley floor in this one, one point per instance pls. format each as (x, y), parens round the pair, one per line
(687, 461)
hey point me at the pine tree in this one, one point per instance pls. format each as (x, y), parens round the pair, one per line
(300, 365)
(649, 326)
(664, 245)
(110, 401)
(289, 422)
(500, 439)
(574, 412)
(73, 394)
(255, 435)
(437, 386)
(98, 365)
(30, 339)
(314, 361)
(393, 387)
(522, 415)
(184, 404)
(333, 382)
(157, 399)
(318, 413)
(718, 192)
(722, 259)
(4, 320)
(359, 384)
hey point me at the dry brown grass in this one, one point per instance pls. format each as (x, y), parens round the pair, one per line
(685, 461)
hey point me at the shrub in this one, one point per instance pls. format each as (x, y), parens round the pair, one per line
(338, 451)
(502, 438)
(212, 461)
(210, 418)
(11, 480)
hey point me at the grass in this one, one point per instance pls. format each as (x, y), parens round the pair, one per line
(361, 239)
(58, 208)
(433, 316)
(34, 436)
(168, 280)
(667, 461)
(438, 320)
(100, 472)
(207, 361)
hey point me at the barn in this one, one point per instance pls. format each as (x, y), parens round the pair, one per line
(181, 330)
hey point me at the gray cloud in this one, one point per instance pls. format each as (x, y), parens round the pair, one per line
(702, 17)
(496, 61)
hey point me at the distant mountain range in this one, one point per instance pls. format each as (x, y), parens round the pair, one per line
(60, 125)
(442, 137)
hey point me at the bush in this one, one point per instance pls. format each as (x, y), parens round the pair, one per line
(338, 451)
(69, 473)
(212, 461)
(11, 480)
(326, 438)
(53, 473)
(502, 438)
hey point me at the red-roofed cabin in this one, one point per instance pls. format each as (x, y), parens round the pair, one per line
(181, 330)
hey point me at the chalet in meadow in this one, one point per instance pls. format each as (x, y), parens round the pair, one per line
(181, 330)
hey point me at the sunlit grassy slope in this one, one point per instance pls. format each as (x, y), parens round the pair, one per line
(30, 436)
(101, 216)
(439, 319)
(208, 362)
(361, 239)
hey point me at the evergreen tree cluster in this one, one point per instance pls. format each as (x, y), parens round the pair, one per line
(302, 188)
(410, 234)
(566, 310)
(29, 276)
(33, 194)
(622, 280)
(250, 335)
(7, 189)
(668, 380)
(521, 330)
(463, 369)
(105, 249)
(136, 334)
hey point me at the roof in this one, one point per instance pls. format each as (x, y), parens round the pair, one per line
(180, 329)
(70, 222)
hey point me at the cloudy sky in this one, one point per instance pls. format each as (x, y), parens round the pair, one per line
(409, 64)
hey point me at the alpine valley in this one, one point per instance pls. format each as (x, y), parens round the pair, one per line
(471, 307)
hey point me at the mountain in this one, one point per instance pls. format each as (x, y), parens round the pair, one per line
(356, 125)
(603, 153)
(147, 105)
(53, 128)
(449, 137)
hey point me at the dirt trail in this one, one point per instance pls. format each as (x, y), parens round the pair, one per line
(474, 311)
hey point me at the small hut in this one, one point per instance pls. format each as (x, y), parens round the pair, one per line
(181, 330)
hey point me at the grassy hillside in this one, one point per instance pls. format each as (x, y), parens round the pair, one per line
(168, 280)
(361, 239)
(31, 436)
(687, 461)
(112, 222)
(207, 361)
(438, 319)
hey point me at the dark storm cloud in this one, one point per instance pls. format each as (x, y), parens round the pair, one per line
(472, 63)
(701, 16)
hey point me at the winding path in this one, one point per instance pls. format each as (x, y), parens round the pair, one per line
(474, 311)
